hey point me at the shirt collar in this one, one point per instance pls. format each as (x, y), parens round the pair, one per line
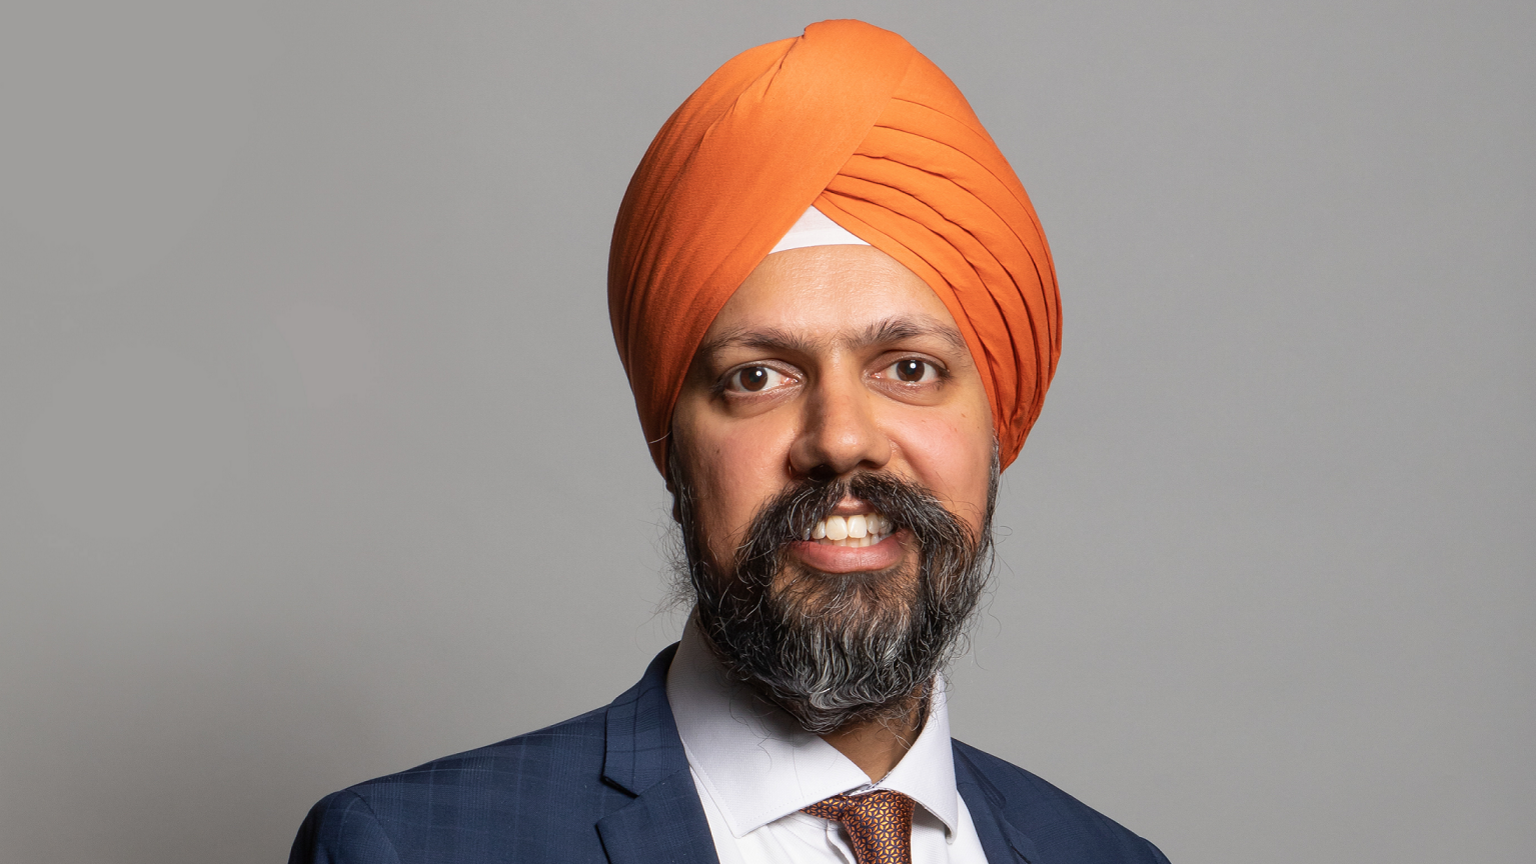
(758, 765)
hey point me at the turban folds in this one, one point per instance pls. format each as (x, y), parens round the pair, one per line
(850, 119)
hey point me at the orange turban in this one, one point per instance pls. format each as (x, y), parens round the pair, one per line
(853, 120)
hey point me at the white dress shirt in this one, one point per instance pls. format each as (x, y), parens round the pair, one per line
(754, 768)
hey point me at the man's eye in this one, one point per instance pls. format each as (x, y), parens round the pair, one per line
(914, 371)
(755, 379)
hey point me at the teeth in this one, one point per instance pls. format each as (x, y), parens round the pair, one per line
(837, 528)
(858, 530)
(857, 527)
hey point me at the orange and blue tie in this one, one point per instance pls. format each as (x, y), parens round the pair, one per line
(879, 824)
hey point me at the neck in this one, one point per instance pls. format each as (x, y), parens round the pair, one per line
(877, 745)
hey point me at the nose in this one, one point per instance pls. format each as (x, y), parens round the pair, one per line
(840, 432)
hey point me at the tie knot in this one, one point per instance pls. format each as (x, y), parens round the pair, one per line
(879, 824)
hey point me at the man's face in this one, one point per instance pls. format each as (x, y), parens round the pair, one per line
(833, 463)
(826, 362)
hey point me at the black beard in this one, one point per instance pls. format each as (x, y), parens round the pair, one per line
(839, 648)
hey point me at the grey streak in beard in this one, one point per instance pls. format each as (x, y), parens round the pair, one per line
(833, 649)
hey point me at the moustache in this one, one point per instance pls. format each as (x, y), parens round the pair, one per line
(793, 514)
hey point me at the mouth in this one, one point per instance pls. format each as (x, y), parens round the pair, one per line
(852, 543)
(856, 530)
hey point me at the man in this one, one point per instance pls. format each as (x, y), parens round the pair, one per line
(839, 317)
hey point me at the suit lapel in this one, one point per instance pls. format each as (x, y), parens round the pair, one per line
(665, 823)
(1001, 841)
(644, 757)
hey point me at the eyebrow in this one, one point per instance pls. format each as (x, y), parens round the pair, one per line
(881, 333)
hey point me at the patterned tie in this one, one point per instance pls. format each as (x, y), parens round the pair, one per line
(879, 824)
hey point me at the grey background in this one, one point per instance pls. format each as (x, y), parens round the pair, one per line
(316, 460)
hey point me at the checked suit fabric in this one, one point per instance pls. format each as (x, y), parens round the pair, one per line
(879, 824)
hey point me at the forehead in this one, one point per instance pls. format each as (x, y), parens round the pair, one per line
(822, 293)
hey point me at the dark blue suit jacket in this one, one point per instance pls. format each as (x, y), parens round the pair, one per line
(613, 787)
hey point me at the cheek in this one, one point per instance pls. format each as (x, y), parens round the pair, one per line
(953, 458)
(734, 471)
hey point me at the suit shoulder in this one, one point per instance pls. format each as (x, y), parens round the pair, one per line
(499, 796)
(342, 829)
(1053, 819)
(1009, 780)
